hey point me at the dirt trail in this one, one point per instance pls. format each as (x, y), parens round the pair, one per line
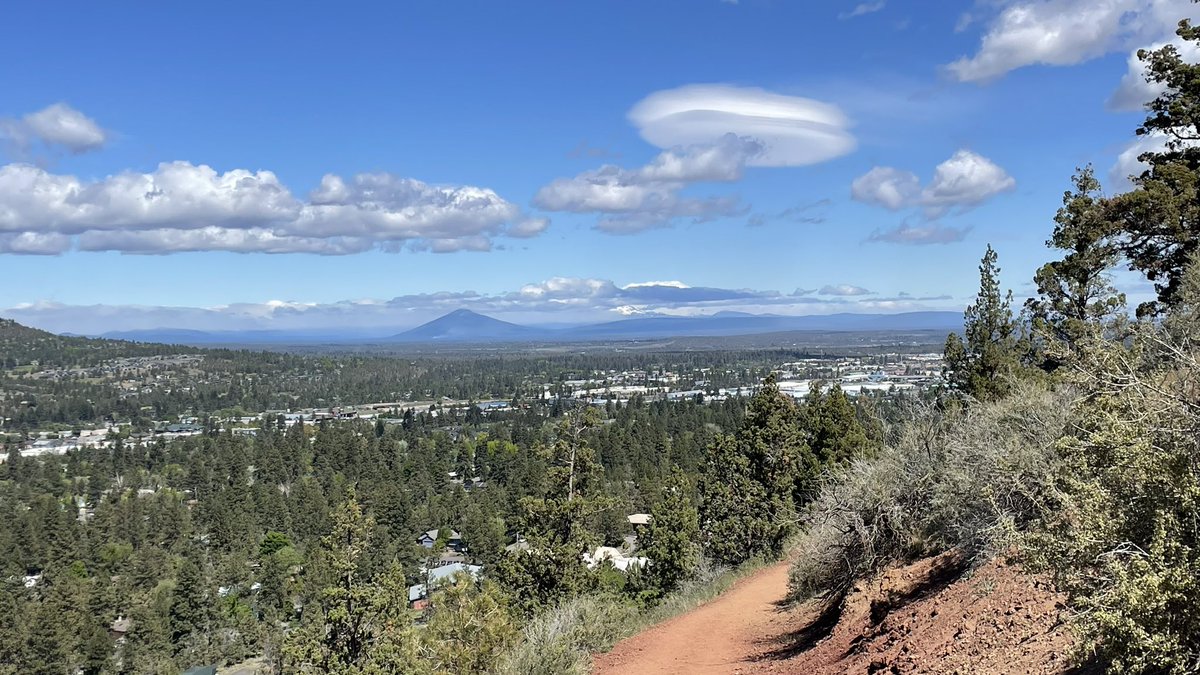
(722, 636)
(927, 617)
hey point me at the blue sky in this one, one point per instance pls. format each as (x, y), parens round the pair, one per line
(255, 165)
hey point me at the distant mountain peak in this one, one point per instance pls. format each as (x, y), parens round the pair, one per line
(464, 325)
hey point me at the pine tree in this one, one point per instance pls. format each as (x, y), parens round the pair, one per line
(831, 426)
(735, 520)
(556, 526)
(470, 627)
(190, 613)
(337, 640)
(982, 366)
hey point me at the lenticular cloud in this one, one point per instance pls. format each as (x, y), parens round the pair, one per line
(794, 131)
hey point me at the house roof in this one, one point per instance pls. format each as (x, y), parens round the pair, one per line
(638, 518)
(618, 559)
(439, 575)
(433, 534)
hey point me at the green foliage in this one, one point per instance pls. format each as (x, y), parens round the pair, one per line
(190, 614)
(339, 638)
(1124, 538)
(1157, 223)
(470, 627)
(832, 428)
(749, 485)
(556, 525)
(671, 539)
(561, 641)
(273, 542)
(984, 364)
(1075, 295)
(735, 517)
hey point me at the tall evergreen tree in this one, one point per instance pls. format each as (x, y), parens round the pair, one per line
(191, 612)
(736, 523)
(671, 540)
(1075, 293)
(1158, 222)
(983, 364)
(338, 638)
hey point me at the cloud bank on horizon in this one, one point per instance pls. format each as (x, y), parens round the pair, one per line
(559, 299)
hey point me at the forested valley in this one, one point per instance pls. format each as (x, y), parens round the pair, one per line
(1064, 438)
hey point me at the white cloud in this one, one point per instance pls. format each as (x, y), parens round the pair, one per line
(794, 131)
(887, 187)
(176, 195)
(1134, 91)
(919, 235)
(530, 227)
(633, 200)
(863, 8)
(847, 290)
(185, 207)
(55, 125)
(213, 238)
(33, 243)
(964, 181)
(1066, 32)
(1127, 163)
(641, 284)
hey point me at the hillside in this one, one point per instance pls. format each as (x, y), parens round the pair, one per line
(21, 345)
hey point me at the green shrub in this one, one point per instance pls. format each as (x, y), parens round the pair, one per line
(1124, 540)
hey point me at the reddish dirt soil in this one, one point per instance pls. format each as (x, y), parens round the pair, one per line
(927, 617)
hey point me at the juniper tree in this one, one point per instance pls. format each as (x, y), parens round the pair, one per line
(671, 539)
(1075, 294)
(1158, 221)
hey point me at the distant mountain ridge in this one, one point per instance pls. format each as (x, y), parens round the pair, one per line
(464, 326)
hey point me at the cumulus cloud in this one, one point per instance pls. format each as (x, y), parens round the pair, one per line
(185, 207)
(927, 233)
(847, 290)
(632, 200)
(794, 131)
(863, 8)
(962, 182)
(33, 243)
(885, 186)
(965, 180)
(57, 125)
(1134, 91)
(1066, 32)
(562, 299)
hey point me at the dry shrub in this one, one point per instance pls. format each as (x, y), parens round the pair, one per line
(560, 641)
(946, 480)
